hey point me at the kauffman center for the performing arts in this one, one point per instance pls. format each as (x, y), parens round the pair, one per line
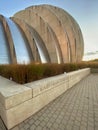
(42, 33)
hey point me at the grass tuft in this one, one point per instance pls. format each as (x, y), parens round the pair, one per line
(22, 73)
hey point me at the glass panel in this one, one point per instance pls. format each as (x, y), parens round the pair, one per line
(20, 43)
(40, 50)
(56, 44)
(58, 56)
(4, 52)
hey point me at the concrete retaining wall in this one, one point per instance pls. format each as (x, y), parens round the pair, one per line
(18, 102)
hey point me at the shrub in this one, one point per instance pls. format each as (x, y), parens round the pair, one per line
(31, 72)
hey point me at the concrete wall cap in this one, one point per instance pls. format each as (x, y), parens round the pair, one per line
(12, 93)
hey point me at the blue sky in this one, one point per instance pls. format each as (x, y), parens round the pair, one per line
(84, 11)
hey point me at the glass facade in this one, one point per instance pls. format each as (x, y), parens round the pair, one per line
(20, 43)
(4, 51)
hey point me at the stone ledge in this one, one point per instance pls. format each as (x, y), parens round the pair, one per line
(17, 104)
(41, 86)
(12, 94)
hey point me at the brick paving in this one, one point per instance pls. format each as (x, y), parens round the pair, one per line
(76, 109)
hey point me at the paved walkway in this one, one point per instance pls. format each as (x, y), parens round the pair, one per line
(76, 109)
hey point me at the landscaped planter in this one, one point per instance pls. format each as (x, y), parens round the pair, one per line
(18, 102)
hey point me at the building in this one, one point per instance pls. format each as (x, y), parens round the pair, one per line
(41, 33)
